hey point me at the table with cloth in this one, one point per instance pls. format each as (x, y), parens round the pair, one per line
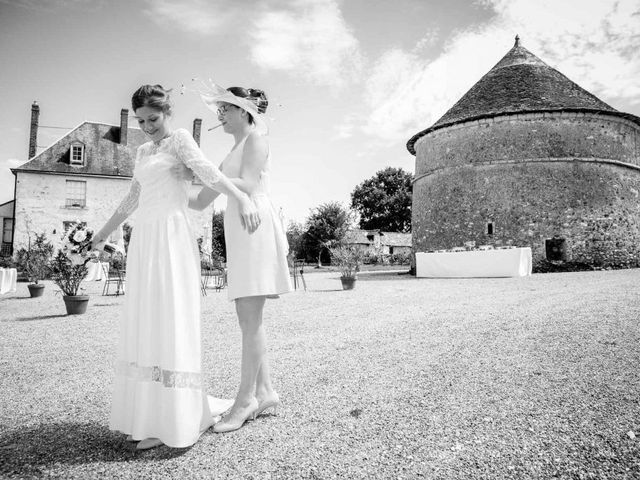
(96, 271)
(501, 262)
(8, 280)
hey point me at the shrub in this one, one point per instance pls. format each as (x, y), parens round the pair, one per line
(34, 259)
(347, 258)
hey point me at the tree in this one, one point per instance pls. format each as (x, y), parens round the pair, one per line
(384, 201)
(326, 224)
(295, 237)
(218, 246)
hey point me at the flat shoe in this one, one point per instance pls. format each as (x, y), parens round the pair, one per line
(148, 443)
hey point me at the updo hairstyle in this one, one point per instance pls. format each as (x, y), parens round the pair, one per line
(153, 96)
(254, 95)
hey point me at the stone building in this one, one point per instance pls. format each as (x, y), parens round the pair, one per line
(6, 220)
(83, 176)
(529, 158)
(379, 242)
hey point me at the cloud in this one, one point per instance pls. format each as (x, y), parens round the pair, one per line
(12, 163)
(199, 17)
(594, 43)
(50, 5)
(309, 39)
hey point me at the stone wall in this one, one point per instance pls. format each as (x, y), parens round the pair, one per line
(571, 176)
(41, 199)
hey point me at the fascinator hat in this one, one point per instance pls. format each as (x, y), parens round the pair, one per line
(214, 95)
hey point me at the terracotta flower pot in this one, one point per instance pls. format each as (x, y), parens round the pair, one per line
(348, 283)
(35, 289)
(76, 304)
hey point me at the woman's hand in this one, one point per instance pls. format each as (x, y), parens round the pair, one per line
(99, 245)
(181, 172)
(249, 216)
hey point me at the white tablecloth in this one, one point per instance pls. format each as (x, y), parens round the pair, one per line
(96, 271)
(8, 280)
(511, 262)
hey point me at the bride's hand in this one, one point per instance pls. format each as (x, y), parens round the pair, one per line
(249, 216)
(98, 245)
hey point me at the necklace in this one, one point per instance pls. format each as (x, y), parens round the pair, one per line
(158, 142)
(155, 146)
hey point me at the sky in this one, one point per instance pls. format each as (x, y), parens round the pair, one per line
(348, 81)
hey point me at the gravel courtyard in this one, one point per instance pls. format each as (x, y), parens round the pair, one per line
(524, 378)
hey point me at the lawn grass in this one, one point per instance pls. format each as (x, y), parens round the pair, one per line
(534, 377)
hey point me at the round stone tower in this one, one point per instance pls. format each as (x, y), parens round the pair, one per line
(528, 158)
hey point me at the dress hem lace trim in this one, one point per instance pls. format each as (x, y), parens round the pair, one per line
(168, 378)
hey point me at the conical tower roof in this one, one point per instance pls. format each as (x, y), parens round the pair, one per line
(518, 83)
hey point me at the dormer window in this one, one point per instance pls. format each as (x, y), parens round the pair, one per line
(77, 154)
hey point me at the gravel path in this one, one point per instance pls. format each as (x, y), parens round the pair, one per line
(400, 378)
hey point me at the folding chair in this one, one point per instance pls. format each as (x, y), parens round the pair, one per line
(113, 275)
(297, 271)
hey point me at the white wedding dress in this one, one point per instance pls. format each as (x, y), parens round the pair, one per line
(159, 387)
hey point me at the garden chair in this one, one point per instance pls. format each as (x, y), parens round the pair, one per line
(216, 276)
(297, 272)
(113, 275)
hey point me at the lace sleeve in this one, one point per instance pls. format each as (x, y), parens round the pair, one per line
(130, 202)
(127, 206)
(188, 152)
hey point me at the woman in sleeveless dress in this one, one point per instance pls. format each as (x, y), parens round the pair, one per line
(257, 264)
(159, 393)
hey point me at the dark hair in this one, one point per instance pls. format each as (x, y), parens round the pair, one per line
(254, 95)
(153, 96)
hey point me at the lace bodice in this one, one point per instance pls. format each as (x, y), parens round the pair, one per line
(155, 189)
(162, 191)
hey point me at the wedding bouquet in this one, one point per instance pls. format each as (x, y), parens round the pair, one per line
(76, 243)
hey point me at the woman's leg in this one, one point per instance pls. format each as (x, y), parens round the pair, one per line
(249, 310)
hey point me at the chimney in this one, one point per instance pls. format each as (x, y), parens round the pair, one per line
(33, 132)
(197, 126)
(124, 125)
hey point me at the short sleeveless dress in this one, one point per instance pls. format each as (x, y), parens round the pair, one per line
(256, 262)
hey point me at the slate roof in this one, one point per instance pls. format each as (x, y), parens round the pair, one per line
(103, 153)
(520, 82)
(395, 239)
(391, 239)
(357, 236)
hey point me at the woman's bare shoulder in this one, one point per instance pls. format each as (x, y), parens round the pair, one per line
(257, 142)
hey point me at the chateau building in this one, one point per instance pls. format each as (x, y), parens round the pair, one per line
(6, 220)
(83, 176)
(529, 158)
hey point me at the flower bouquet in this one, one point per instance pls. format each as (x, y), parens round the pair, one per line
(68, 268)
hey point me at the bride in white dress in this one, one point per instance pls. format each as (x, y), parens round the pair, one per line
(159, 393)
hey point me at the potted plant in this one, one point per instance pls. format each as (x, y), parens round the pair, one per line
(33, 261)
(348, 259)
(68, 268)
